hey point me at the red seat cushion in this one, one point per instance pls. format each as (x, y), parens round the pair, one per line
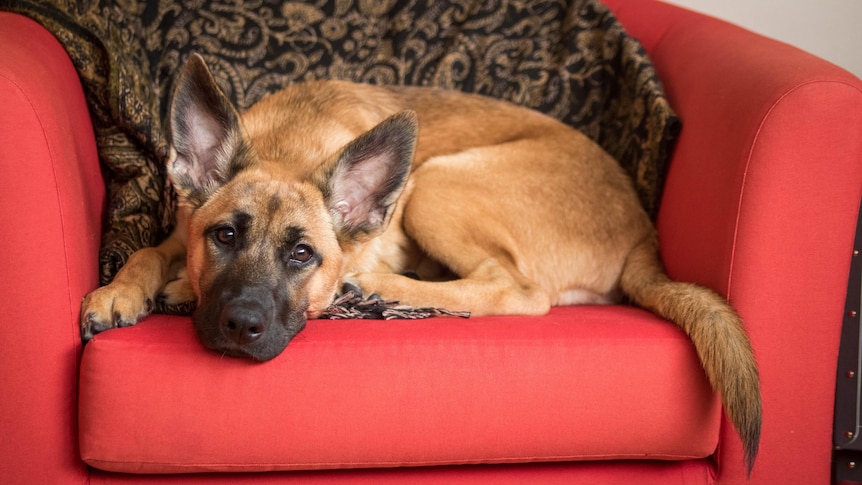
(580, 383)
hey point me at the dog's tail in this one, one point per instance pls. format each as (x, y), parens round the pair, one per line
(716, 330)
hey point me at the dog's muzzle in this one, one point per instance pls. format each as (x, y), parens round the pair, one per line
(247, 322)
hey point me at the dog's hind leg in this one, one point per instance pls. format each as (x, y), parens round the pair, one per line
(493, 287)
(508, 220)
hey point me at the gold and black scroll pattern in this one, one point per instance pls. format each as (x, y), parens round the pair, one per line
(568, 58)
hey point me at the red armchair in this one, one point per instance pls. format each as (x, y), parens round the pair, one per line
(760, 204)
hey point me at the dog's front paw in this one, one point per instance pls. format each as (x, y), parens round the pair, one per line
(369, 286)
(353, 283)
(112, 306)
(178, 292)
(177, 297)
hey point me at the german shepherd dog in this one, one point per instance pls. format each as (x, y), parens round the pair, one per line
(497, 208)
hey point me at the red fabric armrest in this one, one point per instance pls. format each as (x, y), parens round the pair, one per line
(50, 212)
(760, 204)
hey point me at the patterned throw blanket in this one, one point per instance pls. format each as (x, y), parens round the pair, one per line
(569, 59)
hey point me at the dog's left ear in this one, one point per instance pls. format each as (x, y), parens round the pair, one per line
(363, 185)
(205, 135)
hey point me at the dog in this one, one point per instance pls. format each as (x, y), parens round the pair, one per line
(498, 209)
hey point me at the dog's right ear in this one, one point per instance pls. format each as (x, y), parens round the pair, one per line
(206, 140)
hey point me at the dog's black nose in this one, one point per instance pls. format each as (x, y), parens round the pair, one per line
(243, 322)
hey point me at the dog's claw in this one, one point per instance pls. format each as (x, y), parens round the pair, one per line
(120, 322)
(91, 326)
(351, 288)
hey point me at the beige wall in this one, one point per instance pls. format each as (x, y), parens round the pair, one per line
(831, 29)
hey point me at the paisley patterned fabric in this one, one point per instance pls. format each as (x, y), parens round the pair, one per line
(568, 58)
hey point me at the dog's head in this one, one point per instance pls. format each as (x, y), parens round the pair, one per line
(265, 252)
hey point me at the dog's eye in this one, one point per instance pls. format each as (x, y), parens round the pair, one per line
(225, 235)
(301, 253)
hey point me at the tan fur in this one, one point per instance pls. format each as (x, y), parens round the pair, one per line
(505, 211)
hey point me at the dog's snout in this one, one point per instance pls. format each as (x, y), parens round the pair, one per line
(243, 323)
(246, 320)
